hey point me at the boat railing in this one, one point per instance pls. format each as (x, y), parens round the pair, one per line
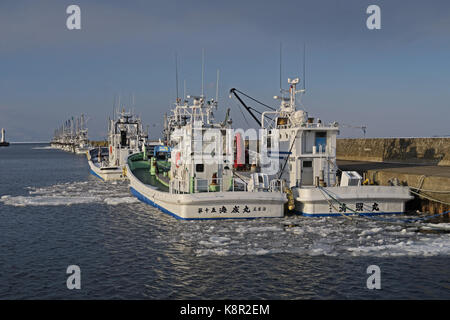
(198, 185)
(219, 185)
(235, 184)
(276, 185)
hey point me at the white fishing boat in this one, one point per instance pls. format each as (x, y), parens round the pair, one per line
(197, 182)
(82, 145)
(307, 152)
(72, 136)
(125, 137)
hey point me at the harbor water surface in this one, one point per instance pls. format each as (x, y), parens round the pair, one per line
(53, 214)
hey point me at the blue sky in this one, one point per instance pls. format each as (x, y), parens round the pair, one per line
(396, 80)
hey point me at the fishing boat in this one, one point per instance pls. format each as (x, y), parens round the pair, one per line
(125, 137)
(307, 152)
(3, 142)
(82, 145)
(197, 181)
(72, 136)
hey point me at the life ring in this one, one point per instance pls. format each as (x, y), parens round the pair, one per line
(178, 159)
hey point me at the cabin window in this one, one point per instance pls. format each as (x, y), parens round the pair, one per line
(199, 167)
(123, 138)
(321, 141)
(282, 121)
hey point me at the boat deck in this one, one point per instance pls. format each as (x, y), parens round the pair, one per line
(143, 175)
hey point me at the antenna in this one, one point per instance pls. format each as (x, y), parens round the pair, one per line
(132, 98)
(184, 95)
(114, 105)
(119, 103)
(304, 67)
(281, 87)
(203, 69)
(217, 86)
(176, 73)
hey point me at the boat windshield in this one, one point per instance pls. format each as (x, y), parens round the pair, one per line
(162, 155)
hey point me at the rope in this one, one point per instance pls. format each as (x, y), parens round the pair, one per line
(287, 158)
(239, 107)
(421, 181)
(432, 191)
(242, 179)
(419, 188)
(429, 198)
(329, 203)
(265, 105)
(428, 217)
(386, 220)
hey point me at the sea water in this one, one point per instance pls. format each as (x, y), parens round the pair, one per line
(54, 214)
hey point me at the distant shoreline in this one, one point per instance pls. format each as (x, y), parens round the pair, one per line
(29, 142)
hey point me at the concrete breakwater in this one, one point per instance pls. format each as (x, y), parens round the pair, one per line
(99, 143)
(431, 151)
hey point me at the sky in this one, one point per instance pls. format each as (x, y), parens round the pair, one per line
(395, 80)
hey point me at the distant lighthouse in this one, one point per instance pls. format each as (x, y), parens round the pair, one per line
(3, 143)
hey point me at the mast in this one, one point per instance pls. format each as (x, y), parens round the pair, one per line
(217, 86)
(203, 71)
(176, 75)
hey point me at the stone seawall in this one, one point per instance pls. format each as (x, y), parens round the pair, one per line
(99, 143)
(432, 151)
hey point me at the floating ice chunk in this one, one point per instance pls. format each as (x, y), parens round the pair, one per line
(219, 240)
(439, 226)
(261, 252)
(243, 229)
(370, 231)
(43, 148)
(120, 200)
(21, 201)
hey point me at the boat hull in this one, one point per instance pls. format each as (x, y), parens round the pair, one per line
(351, 200)
(210, 205)
(107, 174)
(82, 150)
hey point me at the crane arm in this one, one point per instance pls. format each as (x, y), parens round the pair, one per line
(233, 91)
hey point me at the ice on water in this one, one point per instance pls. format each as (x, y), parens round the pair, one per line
(309, 236)
(334, 236)
(72, 193)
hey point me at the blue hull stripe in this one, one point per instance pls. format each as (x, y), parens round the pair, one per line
(144, 199)
(95, 174)
(347, 214)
